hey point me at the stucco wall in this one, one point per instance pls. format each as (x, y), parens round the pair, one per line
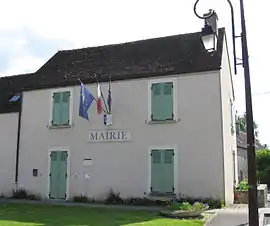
(125, 166)
(8, 139)
(229, 137)
(242, 163)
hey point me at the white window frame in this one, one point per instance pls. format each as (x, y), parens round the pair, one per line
(175, 105)
(175, 162)
(68, 169)
(59, 90)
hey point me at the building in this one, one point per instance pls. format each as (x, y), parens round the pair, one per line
(242, 158)
(172, 131)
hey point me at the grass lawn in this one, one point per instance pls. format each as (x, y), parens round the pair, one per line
(45, 215)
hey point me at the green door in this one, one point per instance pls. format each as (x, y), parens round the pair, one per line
(58, 174)
(162, 171)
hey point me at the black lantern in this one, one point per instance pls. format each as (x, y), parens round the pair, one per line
(209, 38)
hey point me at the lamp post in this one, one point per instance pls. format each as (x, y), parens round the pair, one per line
(206, 39)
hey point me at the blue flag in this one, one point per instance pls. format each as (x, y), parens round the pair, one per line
(109, 101)
(86, 99)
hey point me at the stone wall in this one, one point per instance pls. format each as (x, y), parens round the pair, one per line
(241, 197)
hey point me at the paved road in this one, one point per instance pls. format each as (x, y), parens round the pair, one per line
(233, 219)
(229, 219)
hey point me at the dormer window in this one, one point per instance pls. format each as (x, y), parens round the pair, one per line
(15, 97)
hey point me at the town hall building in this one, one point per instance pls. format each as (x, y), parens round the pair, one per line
(170, 129)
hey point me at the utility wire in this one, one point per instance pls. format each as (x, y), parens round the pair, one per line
(263, 93)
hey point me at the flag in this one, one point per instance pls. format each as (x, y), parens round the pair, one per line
(99, 103)
(109, 101)
(86, 99)
(107, 119)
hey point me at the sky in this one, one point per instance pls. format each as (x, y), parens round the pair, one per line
(32, 31)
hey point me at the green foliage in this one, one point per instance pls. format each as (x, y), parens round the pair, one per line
(242, 186)
(22, 193)
(81, 198)
(113, 198)
(144, 202)
(241, 120)
(263, 166)
(186, 206)
(212, 203)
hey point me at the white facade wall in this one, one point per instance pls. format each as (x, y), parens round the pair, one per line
(229, 136)
(124, 167)
(8, 142)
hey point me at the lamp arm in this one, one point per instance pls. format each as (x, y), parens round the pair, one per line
(209, 14)
(233, 37)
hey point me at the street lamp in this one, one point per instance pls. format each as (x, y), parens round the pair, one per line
(209, 38)
(206, 37)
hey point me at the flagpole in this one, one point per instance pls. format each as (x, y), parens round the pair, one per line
(93, 96)
(103, 99)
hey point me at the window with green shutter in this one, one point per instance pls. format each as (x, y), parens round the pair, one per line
(61, 106)
(162, 101)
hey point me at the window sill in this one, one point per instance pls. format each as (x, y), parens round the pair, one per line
(60, 127)
(163, 122)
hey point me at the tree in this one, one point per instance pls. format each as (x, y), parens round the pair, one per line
(242, 121)
(263, 166)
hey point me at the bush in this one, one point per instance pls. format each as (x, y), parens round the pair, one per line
(144, 202)
(263, 166)
(186, 206)
(113, 198)
(21, 193)
(242, 186)
(80, 198)
(212, 203)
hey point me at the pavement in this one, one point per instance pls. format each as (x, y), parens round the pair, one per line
(234, 215)
(229, 219)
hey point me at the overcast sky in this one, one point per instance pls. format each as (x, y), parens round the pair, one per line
(32, 31)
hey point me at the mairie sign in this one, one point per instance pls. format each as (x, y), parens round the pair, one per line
(109, 136)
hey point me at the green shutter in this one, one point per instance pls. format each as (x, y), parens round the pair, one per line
(61, 105)
(168, 171)
(54, 175)
(162, 101)
(156, 171)
(162, 171)
(62, 175)
(56, 112)
(65, 108)
(58, 175)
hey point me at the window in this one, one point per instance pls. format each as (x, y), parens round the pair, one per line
(15, 98)
(162, 101)
(61, 109)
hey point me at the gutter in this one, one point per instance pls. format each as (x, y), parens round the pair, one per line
(18, 140)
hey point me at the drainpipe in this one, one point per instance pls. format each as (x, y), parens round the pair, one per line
(18, 140)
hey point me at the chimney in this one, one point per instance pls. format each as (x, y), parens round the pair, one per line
(212, 21)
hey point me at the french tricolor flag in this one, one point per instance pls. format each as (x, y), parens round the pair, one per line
(99, 103)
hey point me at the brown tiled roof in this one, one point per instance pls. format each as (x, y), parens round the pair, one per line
(241, 138)
(178, 54)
